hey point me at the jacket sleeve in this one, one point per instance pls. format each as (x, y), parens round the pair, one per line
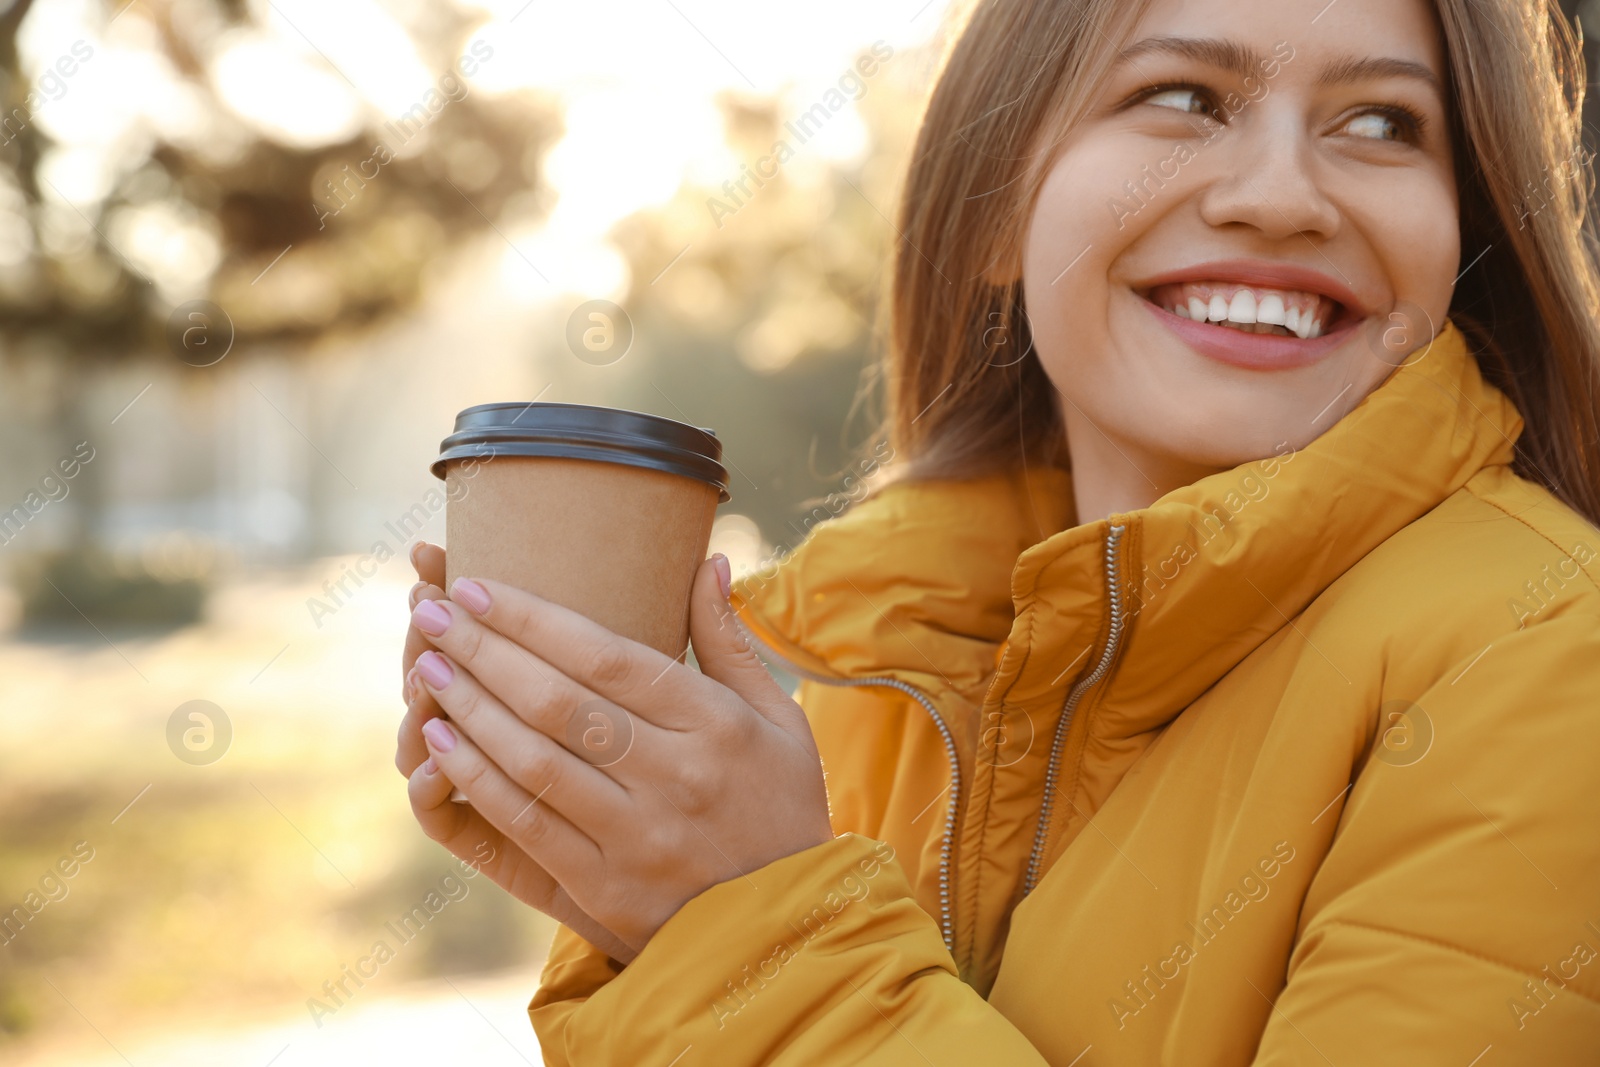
(1458, 909)
(821, 957)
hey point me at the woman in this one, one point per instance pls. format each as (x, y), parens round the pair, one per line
(1266, 735)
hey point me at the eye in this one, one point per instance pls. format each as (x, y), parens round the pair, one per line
(1189, 99)
(1393, 123)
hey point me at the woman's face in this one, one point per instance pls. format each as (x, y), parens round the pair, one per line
(1285, 164)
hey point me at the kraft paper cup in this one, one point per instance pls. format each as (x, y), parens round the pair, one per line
(604, 511)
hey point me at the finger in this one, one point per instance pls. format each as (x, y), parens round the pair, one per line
(653, 687)
(525, 819)
(460, 829)
(596, 730)
(469, 837)
(427, 787)
(416, 641)
(428, 561)
(586, 797)
(722, 649)
(410, 749)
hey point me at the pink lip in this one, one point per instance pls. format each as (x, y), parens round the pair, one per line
(1257, 351)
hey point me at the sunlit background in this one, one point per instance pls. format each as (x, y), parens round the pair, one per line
(254, 256)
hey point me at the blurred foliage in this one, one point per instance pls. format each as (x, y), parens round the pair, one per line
(770, 315)
(254, 196)
(56, 586)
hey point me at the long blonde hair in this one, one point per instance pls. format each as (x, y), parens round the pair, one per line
(962, 400)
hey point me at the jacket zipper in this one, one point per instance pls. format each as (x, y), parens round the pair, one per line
(1053, 769)
(946, 925)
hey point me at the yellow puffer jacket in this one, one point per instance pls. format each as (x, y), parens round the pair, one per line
(1298, 765)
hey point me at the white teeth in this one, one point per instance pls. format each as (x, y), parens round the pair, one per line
(1243, 308)
(1270, 309)
(1272, 313)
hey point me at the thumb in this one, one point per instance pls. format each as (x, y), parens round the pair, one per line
(723, 649)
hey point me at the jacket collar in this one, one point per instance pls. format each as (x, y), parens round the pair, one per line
(1267, 538)
(924, 581)
(912, 583)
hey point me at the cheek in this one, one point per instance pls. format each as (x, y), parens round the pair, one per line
(1074, 235)
(1103, 194)
(1410, 224)
(1098, 196)
(1434, 276)
(1413, 227)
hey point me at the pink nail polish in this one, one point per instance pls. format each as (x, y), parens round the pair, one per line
(435, 669)
(411, 685)
(431, 617)
(429, 767)
(724, 574)
(470, 595)
(439, 734)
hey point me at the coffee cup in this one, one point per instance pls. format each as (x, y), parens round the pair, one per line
(601, 510)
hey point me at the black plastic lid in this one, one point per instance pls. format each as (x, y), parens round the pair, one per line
(584, 431)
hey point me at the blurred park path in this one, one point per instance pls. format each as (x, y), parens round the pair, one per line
(221, 896)
(482, 1021)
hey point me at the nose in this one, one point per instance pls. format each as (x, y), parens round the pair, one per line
(1267, 180)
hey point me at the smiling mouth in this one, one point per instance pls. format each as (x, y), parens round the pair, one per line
(1251, 308)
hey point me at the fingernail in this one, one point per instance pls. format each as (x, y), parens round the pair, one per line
(435, 669)
(724, 575)
(415, 548)
(412, 596)
(429, 767)
(411, 685)
(431, 618)
(470, 595)
(439, 734)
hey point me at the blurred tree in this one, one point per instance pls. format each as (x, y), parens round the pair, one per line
(257, 194)
(292, 233)
(760, 298)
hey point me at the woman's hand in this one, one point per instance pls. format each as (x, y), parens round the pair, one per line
(456, 826)
(637, 781)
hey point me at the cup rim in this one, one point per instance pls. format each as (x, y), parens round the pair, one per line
(549, 429)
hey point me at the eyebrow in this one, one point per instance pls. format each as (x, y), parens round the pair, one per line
(1245, 62)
